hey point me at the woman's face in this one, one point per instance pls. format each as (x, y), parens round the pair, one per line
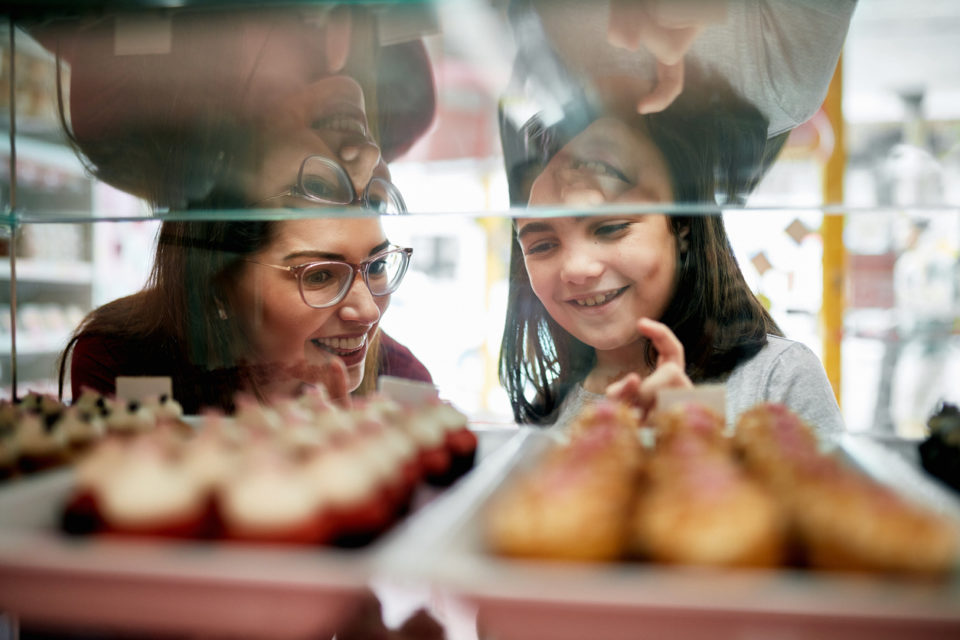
(286, 331)
(596, 275)
(326, 117)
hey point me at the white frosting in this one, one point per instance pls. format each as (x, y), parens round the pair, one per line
(341, 476)
(35, 439)
(148, 488)
(383, 464)
(165, 408)
(130, 418)
(82, 427)
(268, 497)
(210, 462)
(426, 430)
(97, 467)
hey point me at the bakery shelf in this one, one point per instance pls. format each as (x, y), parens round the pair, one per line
(525, 598)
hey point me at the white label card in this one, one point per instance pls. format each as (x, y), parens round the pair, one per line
(407, 392)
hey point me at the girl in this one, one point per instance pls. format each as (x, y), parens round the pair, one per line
(624, 303)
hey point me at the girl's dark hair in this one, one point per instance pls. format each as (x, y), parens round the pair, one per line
(716, 150)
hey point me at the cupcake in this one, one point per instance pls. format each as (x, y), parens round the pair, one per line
(271, 499)
(9, 449)
(151, 493)
(130, 418)
(41, 441)
(358, 506)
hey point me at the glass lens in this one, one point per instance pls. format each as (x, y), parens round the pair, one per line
(322, 282)
(322, 179)
(383, 197)
(385, 273)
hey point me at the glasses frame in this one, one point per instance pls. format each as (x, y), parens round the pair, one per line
(362, 267)
(298, 191)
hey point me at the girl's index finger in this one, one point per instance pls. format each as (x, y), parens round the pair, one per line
(668, 346)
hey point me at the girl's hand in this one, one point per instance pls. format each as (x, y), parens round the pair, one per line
(666, 30)
(669, 372)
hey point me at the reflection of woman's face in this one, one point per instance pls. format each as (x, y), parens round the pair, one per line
(287, 331)
(596, 275)
(327, 118)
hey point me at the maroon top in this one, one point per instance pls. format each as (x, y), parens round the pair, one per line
(97, 361)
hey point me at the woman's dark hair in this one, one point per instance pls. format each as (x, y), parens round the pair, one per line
(139, 141)
(716, 150)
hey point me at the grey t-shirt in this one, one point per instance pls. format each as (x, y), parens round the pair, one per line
(777, 54)
(784, 371)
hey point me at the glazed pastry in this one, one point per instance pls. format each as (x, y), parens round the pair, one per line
(574, 503)
(843, 519)
(696, 505)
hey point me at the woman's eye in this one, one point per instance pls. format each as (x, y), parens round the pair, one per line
(319, 186)
(377, 267)
(317, 277)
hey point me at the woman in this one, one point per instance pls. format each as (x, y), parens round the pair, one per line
(236, 305)
(627, 303)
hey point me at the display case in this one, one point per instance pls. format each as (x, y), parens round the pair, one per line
(182, 181)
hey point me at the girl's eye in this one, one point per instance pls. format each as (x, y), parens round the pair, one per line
(539, 247)
(609, 230)
(601, 168)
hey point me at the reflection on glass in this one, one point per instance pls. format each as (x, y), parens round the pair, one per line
(625, 304)
(257, 108)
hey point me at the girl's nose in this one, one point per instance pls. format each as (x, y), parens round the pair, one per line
(581, 263)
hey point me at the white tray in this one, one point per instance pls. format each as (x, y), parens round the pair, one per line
(527, 599)
(197, 588)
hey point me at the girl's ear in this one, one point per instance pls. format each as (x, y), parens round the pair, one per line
(682, 234)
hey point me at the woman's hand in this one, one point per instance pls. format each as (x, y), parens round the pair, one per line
(280, 380)
(666, 30)
(669, 373)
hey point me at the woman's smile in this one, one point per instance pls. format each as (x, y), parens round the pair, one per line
(350, 349)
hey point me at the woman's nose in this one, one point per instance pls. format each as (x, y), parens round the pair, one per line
(359, 304)
(581, 263)
(360, 160)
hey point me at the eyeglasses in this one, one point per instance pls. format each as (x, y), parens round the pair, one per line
(324, 284)
(324, 180)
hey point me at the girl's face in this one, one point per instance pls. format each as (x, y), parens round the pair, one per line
(286, 331)
(596, 275)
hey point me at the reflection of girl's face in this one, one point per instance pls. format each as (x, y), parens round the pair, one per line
(610, 162)
(596, 275)
(287, 331)
(327, 118)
